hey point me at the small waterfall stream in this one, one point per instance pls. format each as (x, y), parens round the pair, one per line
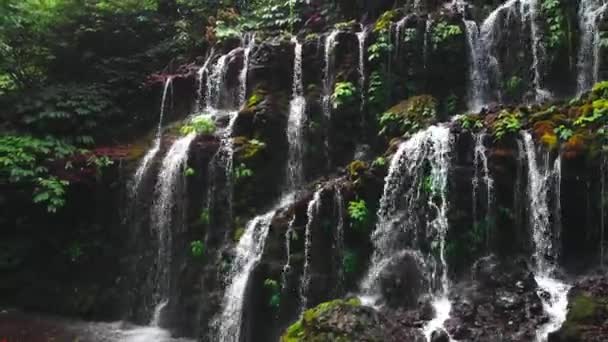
(339, 212)
(146, 161)
(295, 124)
(397, 230)
(553, 292)
(248, 254)
(480, 160)
(168, 193)
(312, 212)
(249, 44)
(362, 38)
(588, 57)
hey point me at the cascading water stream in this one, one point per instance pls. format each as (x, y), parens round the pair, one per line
(402, 196)
(588, 57)
(528, 12)
(476, 93)
(328, 84)
(201, 74)
(249, 44)
(146, 161)
(312, 212)
(362, 38)
(248, 254)
(168, 190)
(295, 124)
(555, 302)
(480, 160)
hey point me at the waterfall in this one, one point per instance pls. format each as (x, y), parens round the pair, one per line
(478, 86)
(248, 254)
(399, 26)
(528, 12)
(328, 72)
(480, 160)
(201, 74)
(339, 238)
(588, 57)
(149, 156)
(295, 124)
(168, 189)
(362, 38)
(398, 224)
(312, 212)
(555, 302)
(249, 43)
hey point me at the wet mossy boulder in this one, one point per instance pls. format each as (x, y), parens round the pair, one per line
(337, 320)
(587, 318)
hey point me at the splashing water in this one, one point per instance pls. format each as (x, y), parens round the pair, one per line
(146, 162)
(401, 197)
(248, 254)
(312, 212)
(553, 292)
(295, 124)
(588, 57)
(167, 192)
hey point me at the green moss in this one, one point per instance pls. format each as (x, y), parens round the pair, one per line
(302, 329)
(583, 308)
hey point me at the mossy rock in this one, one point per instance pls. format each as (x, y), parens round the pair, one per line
(584, 311)
(318, 324)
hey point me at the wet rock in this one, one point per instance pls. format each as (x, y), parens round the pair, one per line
(402, 281)
(440, 335)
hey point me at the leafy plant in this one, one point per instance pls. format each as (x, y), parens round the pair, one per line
(564, 133)
(189, 172)
(359, 214)
(241, 172)
(556, 21)
(349, 262)
(275, 292)
(253, 147)
(471, 122)
(199, 125)
(205, 217)
(197, 248)
(344, 93)
(513, 86)
(506, 123)
(597, 115)
(75, 251)
(443, 31)
(379, 162)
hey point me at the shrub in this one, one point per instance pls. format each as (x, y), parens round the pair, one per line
(241, 172)
(344, 93)
(275, 292)
(197, 248)
(359, 214)
(443, 31)
(199, 125)
(506, 123)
